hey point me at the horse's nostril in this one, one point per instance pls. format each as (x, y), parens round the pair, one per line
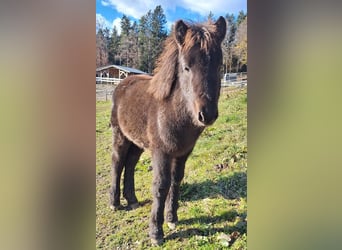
(201, 117)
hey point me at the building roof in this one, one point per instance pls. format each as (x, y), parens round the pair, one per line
(123, 68)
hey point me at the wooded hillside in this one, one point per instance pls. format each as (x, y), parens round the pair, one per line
(140, 43)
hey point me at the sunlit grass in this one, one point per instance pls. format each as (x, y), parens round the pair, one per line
(213, 200)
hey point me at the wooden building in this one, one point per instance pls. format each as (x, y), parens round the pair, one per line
(116, 71)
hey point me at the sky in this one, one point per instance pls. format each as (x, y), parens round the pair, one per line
(109, 12)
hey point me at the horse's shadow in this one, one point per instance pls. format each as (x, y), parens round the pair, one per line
(230, 215)
(230, 187)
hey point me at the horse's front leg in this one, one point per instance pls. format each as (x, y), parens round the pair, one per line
(161, 183)
(177, 174)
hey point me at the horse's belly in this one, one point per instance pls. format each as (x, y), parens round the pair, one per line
(133, 126)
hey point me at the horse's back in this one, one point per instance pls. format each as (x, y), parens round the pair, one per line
(132, 79)
(129, 83)
(129, 87)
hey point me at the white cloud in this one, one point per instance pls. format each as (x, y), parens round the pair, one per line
(218, 7)
(169, 25)
(117, 24)
(104, 3)
(138, 8)
(102, 22)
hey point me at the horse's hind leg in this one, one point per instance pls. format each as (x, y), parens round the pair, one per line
(120, 148)
(132, 158)
(171, 206)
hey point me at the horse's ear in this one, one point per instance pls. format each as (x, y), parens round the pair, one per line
(180, 31)
(221, 28)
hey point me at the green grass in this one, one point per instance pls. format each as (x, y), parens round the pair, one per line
(213, 200)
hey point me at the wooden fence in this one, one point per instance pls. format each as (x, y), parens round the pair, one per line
(105, 85)
(114, 81)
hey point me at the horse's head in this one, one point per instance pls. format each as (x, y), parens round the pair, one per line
(200, 59)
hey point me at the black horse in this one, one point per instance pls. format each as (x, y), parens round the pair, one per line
(166, 114)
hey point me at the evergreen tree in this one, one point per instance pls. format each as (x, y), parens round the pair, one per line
(113, 48)
(125, 25)
(210, 16)
(125, 42)
(134, 50)
(106, 35)
(152, 33)
(144, 42)
(240, 17)
(158, 34)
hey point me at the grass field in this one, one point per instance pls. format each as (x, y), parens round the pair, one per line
(213, 200)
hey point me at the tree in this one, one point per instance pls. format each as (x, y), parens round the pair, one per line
(113, 47)
(151, 33)
(125, 25)
(210, 16)
(228, 43)
(101, 49)
(158, 34)
(106, 35)
(240, 49)
(134, 50)
(140, 43)
(126, 43)
(144, 42)
(242, 16)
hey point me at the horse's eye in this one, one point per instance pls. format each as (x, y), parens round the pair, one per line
(186, 69)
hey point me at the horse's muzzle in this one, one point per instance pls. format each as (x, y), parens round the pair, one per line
(207, 118)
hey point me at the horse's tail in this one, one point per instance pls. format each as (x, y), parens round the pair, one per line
(113, 117)
(112, 121)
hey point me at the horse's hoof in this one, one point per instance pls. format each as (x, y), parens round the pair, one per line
(172, 225)
(134, 206)
(115, 208)
(157, 242)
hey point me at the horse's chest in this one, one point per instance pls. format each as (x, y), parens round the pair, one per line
(179, 139)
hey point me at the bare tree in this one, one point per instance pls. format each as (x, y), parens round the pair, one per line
(228, 43)
(240, 48)
(101, 49)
